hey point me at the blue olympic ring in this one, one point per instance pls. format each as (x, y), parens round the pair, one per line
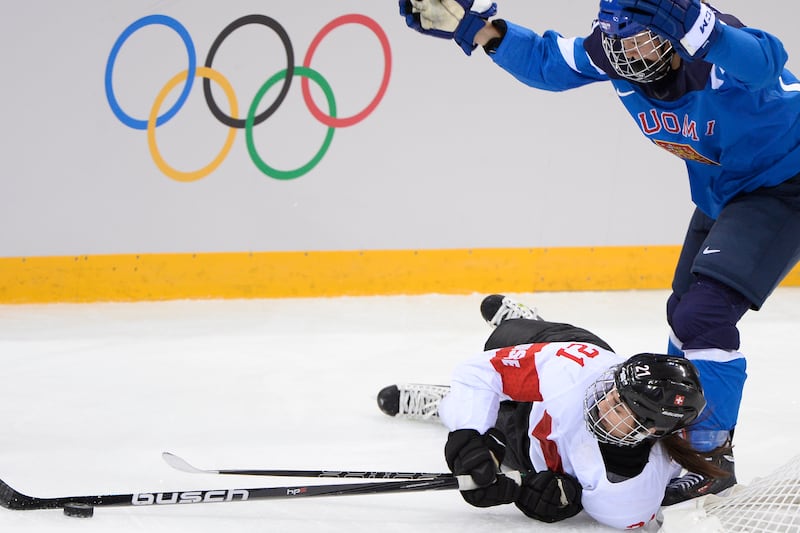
(163, 20)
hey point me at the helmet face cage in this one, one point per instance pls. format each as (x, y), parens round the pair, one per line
(626, 43)
(627, 56)
(607, 416)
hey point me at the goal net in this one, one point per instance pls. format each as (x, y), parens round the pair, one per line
(770, 504)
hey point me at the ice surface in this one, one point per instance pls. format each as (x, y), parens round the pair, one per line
(90, 395)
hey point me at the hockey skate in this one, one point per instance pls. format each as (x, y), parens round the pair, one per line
(496, 308)
(693, 485)
(412, 401)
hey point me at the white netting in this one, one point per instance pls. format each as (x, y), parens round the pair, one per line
(770, 505)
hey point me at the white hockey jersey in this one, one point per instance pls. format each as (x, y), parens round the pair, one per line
(554, 377)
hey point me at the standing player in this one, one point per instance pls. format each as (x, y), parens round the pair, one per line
(716, 94)
(525, 404)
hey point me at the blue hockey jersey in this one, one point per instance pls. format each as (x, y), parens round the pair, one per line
(734, 117)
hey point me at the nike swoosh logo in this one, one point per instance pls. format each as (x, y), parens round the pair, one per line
(624, 94)
(708, 251)
(790, 86)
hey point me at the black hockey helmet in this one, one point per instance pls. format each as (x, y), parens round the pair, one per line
(664, 392)
(647, 396)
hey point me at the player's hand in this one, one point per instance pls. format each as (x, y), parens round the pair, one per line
(690, 25)
(549, 497)
(459, 20)
(475, 460)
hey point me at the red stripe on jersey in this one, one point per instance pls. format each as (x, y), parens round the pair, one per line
(549, 448)
(517, 368)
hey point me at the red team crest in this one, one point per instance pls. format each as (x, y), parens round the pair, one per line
(684, 151)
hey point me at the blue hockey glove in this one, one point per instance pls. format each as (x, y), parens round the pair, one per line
(690, 25)
(459, 20)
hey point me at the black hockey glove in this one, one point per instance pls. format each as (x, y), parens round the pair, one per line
(477, 457)
(549, 497)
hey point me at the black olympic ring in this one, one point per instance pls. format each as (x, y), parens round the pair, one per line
(287, 82)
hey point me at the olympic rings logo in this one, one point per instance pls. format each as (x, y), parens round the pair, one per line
(233, 121)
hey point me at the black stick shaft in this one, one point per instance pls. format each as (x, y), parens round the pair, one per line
(15, 500)
(181, 464)
(352, 474)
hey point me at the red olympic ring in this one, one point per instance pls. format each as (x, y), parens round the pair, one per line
(344, 122)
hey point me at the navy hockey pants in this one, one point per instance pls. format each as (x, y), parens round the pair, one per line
(726, 267)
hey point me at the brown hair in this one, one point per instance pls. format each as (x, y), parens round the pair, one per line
(681, 451)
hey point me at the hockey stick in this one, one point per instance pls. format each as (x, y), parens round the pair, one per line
(15, 500)
(181, 464)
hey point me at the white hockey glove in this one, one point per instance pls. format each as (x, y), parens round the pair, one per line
(459, 20)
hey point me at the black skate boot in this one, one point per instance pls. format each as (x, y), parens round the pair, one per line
(496, 308)
(694, 485)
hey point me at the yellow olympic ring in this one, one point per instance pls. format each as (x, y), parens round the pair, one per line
(163, 166)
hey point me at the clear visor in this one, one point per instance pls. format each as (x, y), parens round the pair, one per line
(643, 57)
(607, 416)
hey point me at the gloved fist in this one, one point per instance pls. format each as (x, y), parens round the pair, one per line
(475, 459)
(459, 20)
(549, 497)
(690, 25)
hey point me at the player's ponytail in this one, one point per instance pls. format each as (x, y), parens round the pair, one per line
(681, 451)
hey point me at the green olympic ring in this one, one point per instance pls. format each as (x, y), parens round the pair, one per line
(251, 117)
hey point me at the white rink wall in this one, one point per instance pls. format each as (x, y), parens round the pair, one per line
(453, 147)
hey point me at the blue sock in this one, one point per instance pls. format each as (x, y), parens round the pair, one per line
(722, 383)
